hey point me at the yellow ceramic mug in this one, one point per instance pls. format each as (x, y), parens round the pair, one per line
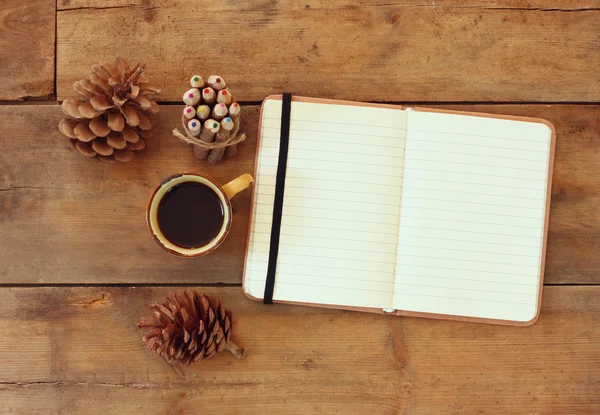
(212, 190)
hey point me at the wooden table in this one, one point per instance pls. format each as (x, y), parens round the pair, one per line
(78, 267)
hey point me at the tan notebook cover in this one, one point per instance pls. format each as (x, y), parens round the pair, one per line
(405, 211)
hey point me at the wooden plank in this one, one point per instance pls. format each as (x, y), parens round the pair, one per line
(75, 350)
(67, 219)
(27, 38)
(373, 51)
(572, 5)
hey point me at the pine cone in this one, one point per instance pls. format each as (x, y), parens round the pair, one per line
(188, 326)
(116, 114)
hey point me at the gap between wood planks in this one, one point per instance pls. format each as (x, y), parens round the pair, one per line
(187, 284)
(55, 86)
(140, 285)
(41, 101)
(147, 5)
(125, 6)
(111, 385)
(133, 385)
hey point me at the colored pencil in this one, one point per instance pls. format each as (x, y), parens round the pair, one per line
(194, 126)
(216, 82)
(219, 112)
(210, 128)
(197, 81)
(216, 155)
(189, 112)
(224, 96)
(191, 96)
(208, 96)
(203, 112)
(234, 112)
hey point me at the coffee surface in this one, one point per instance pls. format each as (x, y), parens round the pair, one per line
(190, 215)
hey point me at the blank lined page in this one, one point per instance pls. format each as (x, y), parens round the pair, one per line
(472, 216)
(341, 204)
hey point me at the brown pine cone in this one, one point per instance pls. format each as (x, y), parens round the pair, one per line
(116, 113)
(188, 326)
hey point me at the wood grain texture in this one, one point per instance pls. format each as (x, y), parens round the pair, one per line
(67, 219)
(76, 350)
(375, 50)
(550, 5)
(27, 39)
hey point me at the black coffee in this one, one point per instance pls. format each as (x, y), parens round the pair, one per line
(190, 215)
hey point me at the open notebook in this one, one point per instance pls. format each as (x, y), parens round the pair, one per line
(404, 210)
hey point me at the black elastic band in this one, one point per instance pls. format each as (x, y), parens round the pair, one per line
(278, 204)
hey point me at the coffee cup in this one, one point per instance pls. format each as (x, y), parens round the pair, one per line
(189, 214)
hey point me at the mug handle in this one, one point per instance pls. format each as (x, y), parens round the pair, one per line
(237, 185)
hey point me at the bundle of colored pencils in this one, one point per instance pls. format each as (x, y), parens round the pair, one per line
(211, 119)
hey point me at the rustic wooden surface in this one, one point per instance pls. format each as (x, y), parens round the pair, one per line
(27, 34)
(65, 219)
(69, 219)
(62, 213)
(404, 51)
(77, 350)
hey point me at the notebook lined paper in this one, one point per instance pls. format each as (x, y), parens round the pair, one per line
(408, 210)
(341, 204)
(472, 216)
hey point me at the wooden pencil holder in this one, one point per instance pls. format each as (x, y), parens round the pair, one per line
(215, 107)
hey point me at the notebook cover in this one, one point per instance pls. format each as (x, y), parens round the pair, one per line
(413, 313)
